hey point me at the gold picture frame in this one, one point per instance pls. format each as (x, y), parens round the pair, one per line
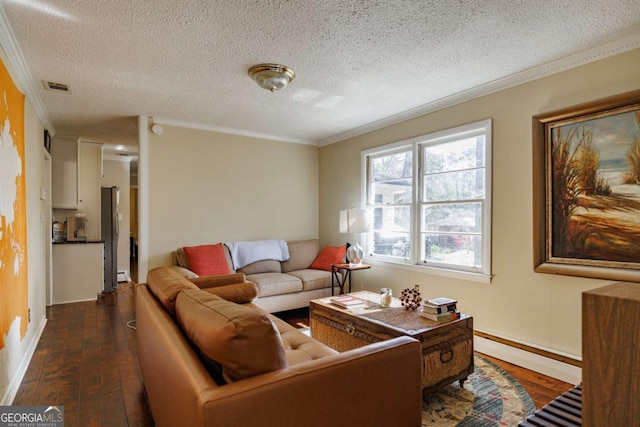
(586, 189)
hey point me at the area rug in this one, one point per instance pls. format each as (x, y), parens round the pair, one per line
(491, 397)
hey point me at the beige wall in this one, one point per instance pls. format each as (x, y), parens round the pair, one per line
(209, 187)
(539, 309)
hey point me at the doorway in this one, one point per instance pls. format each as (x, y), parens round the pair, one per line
(133, 232)
(45, 207)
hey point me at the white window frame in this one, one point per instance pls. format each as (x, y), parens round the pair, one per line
(478, 274)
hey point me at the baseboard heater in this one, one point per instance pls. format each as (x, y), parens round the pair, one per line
(123, 276)
(530, 349)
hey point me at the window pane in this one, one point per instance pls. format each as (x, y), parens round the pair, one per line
(450, 156)
(463, 185)
(391, 167)
(455, 249)
(391, 228)
(391, 244)
(435, 214)
(392, 192)
(452, 218)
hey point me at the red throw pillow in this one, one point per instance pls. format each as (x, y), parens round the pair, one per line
(207, 260)
(327, 256)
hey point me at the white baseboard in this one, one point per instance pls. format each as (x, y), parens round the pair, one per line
(14, 385)
(123, 276)
(535, 362)
(78, 300)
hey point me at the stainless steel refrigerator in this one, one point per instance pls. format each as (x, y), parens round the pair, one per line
(110, 231)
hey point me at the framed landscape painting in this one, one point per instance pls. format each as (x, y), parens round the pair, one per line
(586, 178)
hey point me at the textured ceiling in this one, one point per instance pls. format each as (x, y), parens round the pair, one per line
(357, 62)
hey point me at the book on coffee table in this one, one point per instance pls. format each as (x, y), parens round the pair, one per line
(438, 309)
(347, 301)
(441, 301)
(442, 317)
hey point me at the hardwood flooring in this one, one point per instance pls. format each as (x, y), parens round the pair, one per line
(541, 388)
(87, 361)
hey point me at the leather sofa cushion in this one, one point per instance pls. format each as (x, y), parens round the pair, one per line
(213, 281)
(243, 340)
(166, 283)
(301, 254)
(300, 348)
(239, 293)
(266, 266)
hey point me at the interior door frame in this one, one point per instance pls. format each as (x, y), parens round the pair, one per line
(47, 224)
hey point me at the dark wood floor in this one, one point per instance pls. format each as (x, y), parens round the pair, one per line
(541, 388)
(87, 361)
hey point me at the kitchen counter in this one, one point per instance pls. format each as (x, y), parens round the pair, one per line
(79, 241)
(78, 271)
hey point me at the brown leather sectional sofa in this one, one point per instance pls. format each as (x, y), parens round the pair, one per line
(268, 373)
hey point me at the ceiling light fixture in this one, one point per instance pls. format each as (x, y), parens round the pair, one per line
(272, 76)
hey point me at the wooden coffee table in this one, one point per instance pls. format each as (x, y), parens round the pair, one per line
(447, 347)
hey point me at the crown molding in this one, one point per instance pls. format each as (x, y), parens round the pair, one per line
(118, 158)
(535, 73)
(19, 69)
(232, 131)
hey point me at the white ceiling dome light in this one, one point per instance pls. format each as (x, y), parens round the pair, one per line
(272, 76)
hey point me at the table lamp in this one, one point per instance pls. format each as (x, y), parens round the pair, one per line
(355, 221)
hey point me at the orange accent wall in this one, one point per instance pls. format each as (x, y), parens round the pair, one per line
(13, 232)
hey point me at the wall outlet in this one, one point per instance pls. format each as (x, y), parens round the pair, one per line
(417, 287)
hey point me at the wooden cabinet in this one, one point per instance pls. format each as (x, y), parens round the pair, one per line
(64, 174)
(611, 356)
(89, 183)
(76, 179)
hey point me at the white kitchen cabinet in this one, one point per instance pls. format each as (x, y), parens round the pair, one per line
(64, 173)
(89, 183)
(78, 271)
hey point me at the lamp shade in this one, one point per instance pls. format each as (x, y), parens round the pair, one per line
(355, 221)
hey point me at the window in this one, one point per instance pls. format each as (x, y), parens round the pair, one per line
(430, 198)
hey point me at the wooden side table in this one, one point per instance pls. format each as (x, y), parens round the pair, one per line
(346, 276)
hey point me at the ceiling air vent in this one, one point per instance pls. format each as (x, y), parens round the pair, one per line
(57, 87)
